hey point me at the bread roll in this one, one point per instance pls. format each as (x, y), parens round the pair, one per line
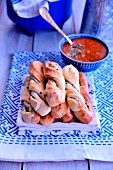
(55, 87)
(71, 75)
(45, 102)
(36, 83)
(74, 98)
(28, 114)
(53, 94)
(86, 113)
(39, 105)
(36, 87)
(30, 117)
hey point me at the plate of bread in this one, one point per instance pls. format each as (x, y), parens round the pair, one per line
(56, 98)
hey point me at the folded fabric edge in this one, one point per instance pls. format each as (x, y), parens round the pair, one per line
(40, 153)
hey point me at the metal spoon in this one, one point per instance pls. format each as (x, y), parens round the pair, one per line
(45, 15)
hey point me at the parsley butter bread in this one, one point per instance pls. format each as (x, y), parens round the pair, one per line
(28, 113)
(55, 86)
(75, 99)
(85, 115)
(53, 93)
(37, 95)
(78, 97)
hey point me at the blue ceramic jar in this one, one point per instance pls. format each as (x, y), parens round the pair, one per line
(59, 10)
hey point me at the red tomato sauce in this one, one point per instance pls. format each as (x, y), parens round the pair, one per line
(85, 49)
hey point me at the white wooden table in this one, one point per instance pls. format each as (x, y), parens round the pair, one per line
(13, 39)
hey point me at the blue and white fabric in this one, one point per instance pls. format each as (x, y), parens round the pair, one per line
(55, 146)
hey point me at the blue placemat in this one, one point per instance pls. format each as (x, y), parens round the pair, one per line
(103, 82)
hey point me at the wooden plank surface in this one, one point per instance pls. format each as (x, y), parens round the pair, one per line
(10, 166)
(101, 165)
(71, 165)
(46, 40)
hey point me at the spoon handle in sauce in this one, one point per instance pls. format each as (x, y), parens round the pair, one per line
(45, 15)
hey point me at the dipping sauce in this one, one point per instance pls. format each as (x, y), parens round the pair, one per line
(85, 49)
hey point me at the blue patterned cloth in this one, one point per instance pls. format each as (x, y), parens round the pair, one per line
(100, 142)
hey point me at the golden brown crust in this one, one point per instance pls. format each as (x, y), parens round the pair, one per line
(53, 94)
(47, 120)
(51, 68)
(60, 110)
(84, 115)
(83, 81)
(36, 70)
(68, 116)
(30, 117)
